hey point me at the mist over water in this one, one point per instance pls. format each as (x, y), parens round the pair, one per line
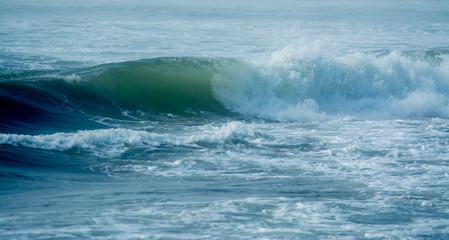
(224, 120)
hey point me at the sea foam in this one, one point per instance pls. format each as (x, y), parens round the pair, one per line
(112, 142)
(313, 81)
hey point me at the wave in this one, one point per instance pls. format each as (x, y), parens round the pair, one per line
(113, 142)
(294, 83)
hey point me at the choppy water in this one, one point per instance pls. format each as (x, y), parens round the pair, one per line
(224, 120)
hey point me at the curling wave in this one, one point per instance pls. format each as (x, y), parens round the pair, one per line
(293, 84)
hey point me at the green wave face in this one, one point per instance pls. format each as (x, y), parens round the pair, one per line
(171, 85)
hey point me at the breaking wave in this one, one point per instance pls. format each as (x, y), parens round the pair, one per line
(293, 84)
(310, 83)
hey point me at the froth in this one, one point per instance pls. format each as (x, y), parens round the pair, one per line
(312, 81)
(112, 142)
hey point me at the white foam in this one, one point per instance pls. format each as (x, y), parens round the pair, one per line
(115, 140)
(310, 81)
(225, 132)
(118, 140)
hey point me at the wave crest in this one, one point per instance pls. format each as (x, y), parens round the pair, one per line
(305, 84)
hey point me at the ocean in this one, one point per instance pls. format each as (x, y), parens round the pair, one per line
(231, 119)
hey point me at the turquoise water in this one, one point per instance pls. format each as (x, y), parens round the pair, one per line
(224, 120)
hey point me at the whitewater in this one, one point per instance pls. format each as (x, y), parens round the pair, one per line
(224, 119)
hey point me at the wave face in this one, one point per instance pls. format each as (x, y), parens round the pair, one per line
(179, 86)
(164, 84)
(293, 84)
(161, 84)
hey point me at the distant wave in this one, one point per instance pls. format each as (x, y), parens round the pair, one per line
(294, 84)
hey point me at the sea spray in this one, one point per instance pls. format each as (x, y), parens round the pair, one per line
(304, 83)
